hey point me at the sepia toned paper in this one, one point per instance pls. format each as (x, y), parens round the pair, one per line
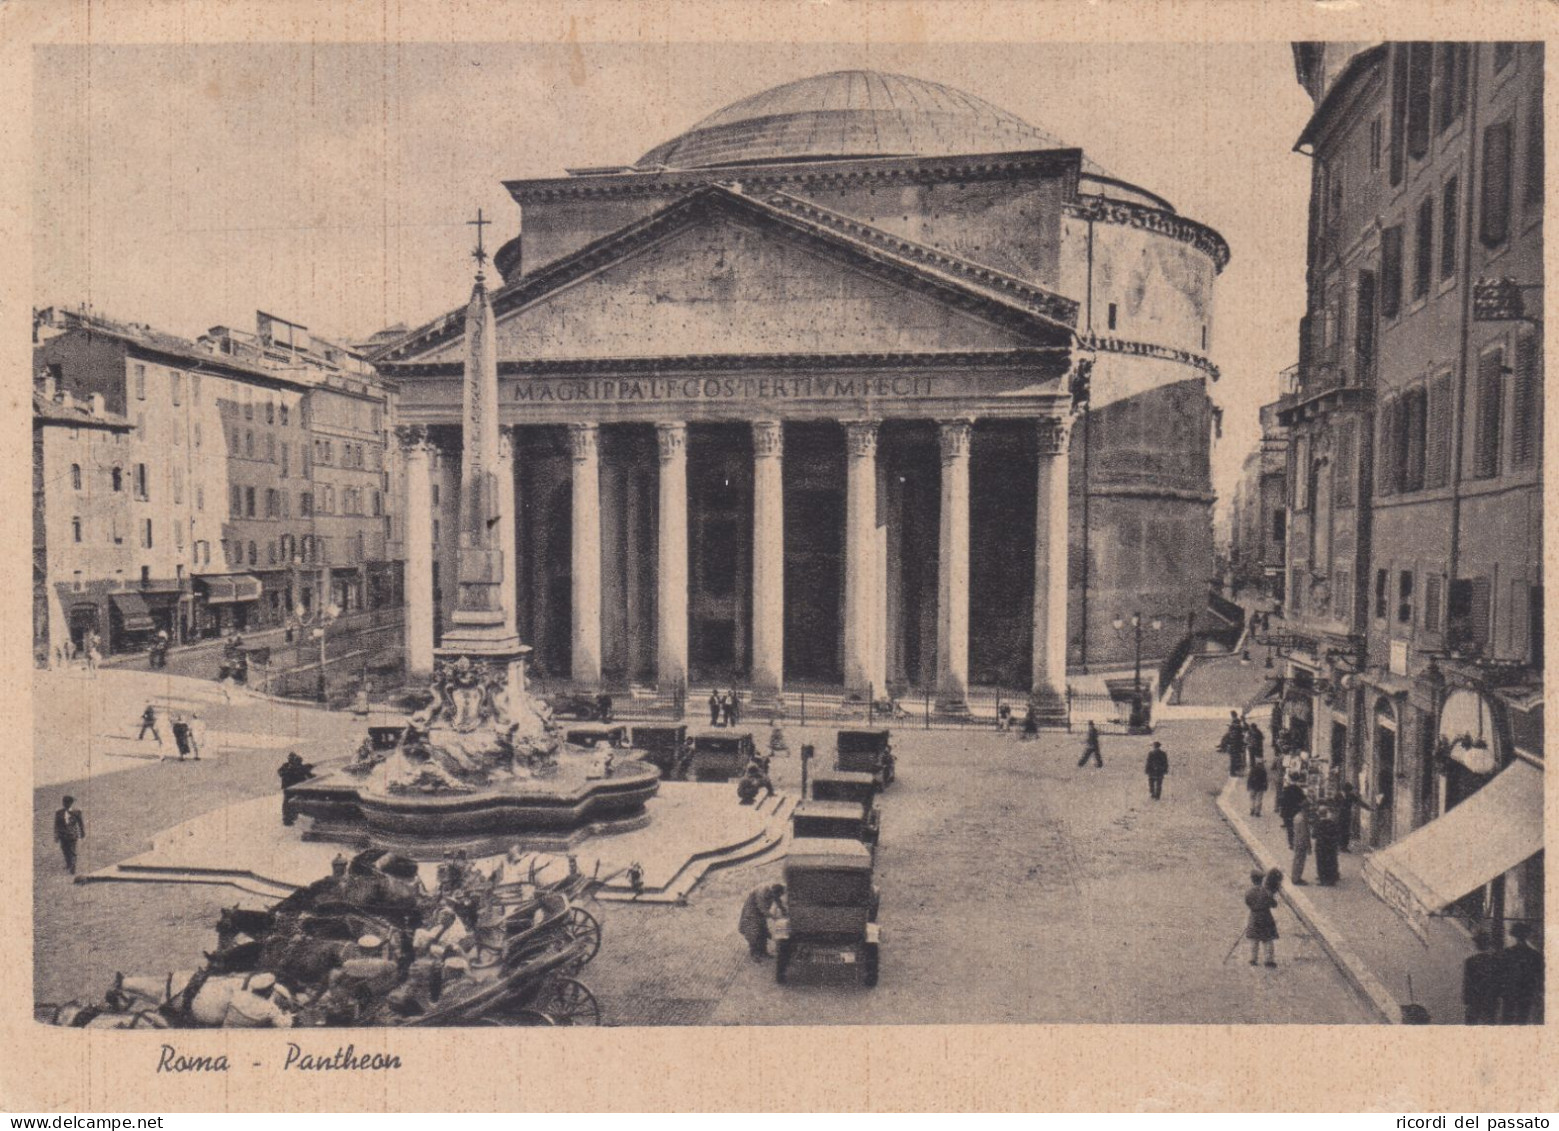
(440, 104)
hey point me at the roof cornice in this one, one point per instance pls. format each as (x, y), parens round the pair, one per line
(1103, 210)
(921, 170)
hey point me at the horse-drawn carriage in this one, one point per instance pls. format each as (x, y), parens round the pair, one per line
(369, 945)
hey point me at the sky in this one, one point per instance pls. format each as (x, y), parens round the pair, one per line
(188, 186)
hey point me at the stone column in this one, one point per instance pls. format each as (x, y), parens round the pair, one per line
(671, 575)
(418, 538)
(1050, 570)
(952, 631)
(862, 595)
(508, 526)
(768, 560)
(585, 657)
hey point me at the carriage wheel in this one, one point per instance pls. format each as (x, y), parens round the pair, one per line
(583, 925)
(568, 1002)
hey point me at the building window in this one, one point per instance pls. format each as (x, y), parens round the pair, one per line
(1437, 458)
(141, 483)
(178, 486)
(270, 448)
(178, 534)
(1450, 203)
(1494, 222)
(285, 462)
(116, 477)
(1532, 184)
(1491, 388)
(249, 502)
(305, 505)
(272, 503)
(435, 531)
(140, 382)
(1398, 155)
(1375, 130)
(146, 534)
(1342, 595)
(198, 436)
(1387, 462)
(1405, 597)
(1467, 614)
(378, 504)
(200, 498)
(1432, 603)
(75, 529)
(284, 413)
(1364, 327)
(235, 508)
(248, 404)
(1413, 407)
(270, 551)
(270, 412)
(1343, 467)
(1391, 271)
(1526, 405)
(1110, 316)
(194, 397)
(75, 477)
(435, 494)
(254, 554)
(1420, 73)
(1423, 256)
(1381, 577)
(249, 445)
(1450, 84)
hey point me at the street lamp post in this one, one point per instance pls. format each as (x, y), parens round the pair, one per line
(327, 617)
(1119, 623)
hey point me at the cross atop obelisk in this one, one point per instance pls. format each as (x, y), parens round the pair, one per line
(479, 253)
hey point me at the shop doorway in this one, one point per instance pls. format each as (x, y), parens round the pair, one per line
(1385, 774)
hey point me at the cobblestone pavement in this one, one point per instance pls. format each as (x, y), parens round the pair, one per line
(1015, 887)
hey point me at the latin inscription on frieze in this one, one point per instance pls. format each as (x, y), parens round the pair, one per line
(647, 390)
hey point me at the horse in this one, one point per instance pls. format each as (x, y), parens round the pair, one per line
(195, 997)
(235, 921)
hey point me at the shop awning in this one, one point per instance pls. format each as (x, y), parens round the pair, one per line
(227, 588)
(137, 617)
(1485, 836)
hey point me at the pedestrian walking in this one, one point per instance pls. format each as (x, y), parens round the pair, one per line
(149, 723)
(197, 736)
(714, 707)
(1157, 769)
(1233, 744)
(1301, 845)
(763, 903)
(1255, 742)
(1261, 927)
(1291, 799)
(1256, 784)
(1520, 978)
(1327, 836)
(1348, 799)
(1480, 982)
(1090, 747)
(181, 739)
(94, 653)
(70, 829)
(1004, 718)
(294, 771)
(1031, 724)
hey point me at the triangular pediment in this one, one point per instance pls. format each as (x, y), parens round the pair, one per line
(718, 273)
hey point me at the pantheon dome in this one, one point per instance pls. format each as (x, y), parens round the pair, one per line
(848, 114)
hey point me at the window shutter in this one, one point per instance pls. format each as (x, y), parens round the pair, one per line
(1399, 72)
(1391, 271)
(1494, 222)
(1449, 225)
(1525, 435)
(1420, 73)
(1490, 410)
(1438, 455)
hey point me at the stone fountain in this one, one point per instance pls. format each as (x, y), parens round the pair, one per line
(483, 764)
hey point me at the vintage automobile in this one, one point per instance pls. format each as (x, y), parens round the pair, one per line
(865, 752)
(587, 736)
(839, 785)
(661, 746)
(836, 820)
(578, 705)
(720, 754)
(832, 906)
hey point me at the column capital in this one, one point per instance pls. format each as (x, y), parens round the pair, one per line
(414, 438)
(583, 440)
(1053, 432)
(671, 437)
(768, 438)
(861, 438)
(954, 435)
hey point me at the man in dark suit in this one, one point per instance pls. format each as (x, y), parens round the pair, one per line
(1480, 982)
(69, 829)
(1520, 977)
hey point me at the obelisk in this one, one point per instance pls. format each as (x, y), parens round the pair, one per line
(480, 625)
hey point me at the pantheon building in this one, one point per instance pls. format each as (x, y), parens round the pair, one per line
(862, 382)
